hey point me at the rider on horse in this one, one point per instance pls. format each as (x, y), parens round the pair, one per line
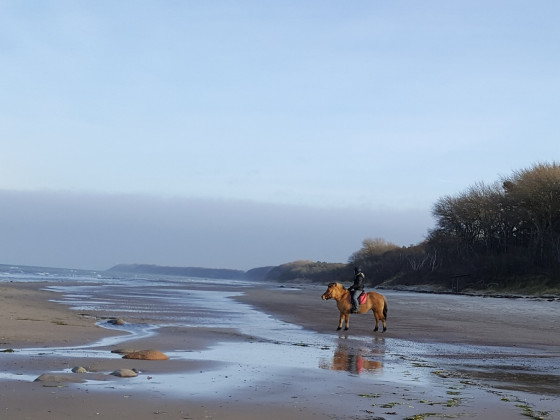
(357, 288)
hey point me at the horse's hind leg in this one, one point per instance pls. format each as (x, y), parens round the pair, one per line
(379, 317)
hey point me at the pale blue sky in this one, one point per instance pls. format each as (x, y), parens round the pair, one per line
(366, 106)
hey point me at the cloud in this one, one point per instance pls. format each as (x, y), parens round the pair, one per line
(97, 231)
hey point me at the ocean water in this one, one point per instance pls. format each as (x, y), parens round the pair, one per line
(29, 274)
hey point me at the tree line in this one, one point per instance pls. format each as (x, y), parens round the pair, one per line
(500, 235)
(505, 234)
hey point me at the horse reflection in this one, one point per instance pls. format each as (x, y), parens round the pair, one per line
(350, 361)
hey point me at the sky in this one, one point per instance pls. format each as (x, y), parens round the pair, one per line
(253, 133)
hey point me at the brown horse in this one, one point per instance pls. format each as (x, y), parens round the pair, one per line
(375, 302)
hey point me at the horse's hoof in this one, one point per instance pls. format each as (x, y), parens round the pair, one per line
(339, 328)
(375, 329)
(384, 329)
(346, 329)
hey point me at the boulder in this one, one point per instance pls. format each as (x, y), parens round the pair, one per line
(49, 379)
(79, 369)
(116, 321)
(147, 355)
(125, 373)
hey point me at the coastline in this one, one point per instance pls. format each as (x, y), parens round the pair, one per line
(31, 320)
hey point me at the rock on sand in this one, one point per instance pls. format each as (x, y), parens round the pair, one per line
(125, 373)
(147, 355)
(52, 379)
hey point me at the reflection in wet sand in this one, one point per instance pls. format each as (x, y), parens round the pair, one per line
(351, 361)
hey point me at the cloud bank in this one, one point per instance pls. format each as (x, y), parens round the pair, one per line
(97, 231)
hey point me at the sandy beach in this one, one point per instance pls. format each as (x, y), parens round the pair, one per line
(442, 357)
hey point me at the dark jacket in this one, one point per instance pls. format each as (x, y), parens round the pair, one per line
(358, 282)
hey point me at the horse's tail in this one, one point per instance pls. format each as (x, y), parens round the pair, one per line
(385, 308)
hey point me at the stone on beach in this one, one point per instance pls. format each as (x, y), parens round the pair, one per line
(52, 379)
(79, 369)
(116, 321)
(147, 355)
(125, 373)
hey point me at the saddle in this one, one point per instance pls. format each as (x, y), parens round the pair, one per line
(361, 299)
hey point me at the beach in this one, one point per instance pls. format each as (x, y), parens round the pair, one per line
(267, 351)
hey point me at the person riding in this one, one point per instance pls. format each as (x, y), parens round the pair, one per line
(357, 288)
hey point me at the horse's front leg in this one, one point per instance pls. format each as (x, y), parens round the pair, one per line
(340, 320)
(343, 318)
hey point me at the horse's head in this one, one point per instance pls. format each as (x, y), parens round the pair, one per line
(332, 291)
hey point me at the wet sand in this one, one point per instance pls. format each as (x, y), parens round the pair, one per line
(442, 356)
(425, 317)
